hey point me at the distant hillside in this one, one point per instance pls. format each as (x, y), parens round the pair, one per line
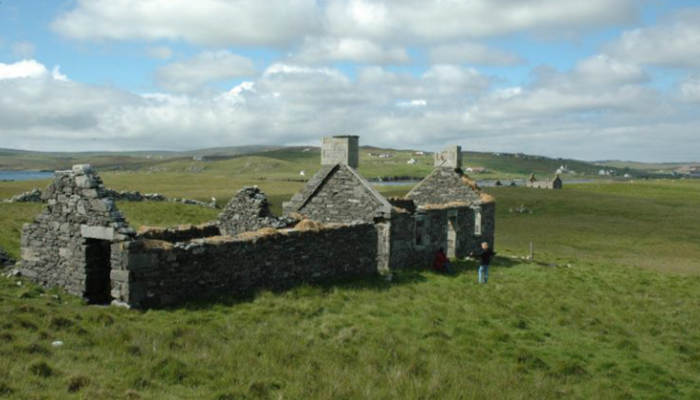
(289, 162)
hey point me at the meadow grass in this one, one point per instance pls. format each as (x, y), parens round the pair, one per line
(534, 332)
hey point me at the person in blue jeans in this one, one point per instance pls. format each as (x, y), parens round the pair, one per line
(485, 256)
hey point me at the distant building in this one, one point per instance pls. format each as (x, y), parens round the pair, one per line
(476, 170)
(419, 153)
(386, 155)
(198, 158)
(553, 184)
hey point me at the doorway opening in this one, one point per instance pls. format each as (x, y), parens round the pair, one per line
(98, 284)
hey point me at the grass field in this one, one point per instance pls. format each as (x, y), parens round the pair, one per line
(609, 310)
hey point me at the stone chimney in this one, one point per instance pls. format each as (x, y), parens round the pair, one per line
(341, 150)
(449, 158)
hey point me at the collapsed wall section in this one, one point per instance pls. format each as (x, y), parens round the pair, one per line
(248, 211)
(151, 273)
(68, 244)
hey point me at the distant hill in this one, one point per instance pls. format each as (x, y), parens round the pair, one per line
(288, 162)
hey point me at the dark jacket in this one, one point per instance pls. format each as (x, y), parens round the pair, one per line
(485, 256)
(440, 261)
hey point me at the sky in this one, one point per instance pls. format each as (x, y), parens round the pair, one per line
(585, 79)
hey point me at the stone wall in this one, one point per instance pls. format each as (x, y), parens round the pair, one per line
(77, 225)
(32, 196)
(445, 185)
(180, 234)
(431, 224)
(338, 194)
(249, 211)
(36, 196)
(150, 273)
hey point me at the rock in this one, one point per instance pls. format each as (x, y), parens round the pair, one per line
(57, 343)
(5, 259)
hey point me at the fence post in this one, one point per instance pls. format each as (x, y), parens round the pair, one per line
(532, 251)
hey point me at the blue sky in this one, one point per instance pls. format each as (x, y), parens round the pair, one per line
(589, 79)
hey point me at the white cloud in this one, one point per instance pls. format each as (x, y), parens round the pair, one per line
(159, 52)
(189, 75)
(690, 89)
(23, 49)
(472, 53)
(22, 69)
(674, 43)
(210, 22)
(329, 49)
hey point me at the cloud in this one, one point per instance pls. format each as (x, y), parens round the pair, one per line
(674, 43)
(284, 23)
(22, 69)
(329, 49)
(23, 49)
(159, 52)
(420, 21)
(689, 89)
(560, 113)
(272, 23)
(473, 53)
(189, 75)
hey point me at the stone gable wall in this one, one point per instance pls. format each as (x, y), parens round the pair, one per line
(152, 273)
(443, 186)
(55, 245)
(340, 198)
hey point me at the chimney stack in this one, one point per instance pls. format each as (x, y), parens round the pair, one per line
(450, 157)
(341, 150)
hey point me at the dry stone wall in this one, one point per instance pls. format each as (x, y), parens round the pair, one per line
(32, 196)
(61, 246)
(150, 273)
(249, 211)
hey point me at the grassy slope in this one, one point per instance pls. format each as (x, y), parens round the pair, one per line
(602, 328)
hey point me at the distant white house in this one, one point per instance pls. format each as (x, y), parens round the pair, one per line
(306, 150)
(419, 153)
(386, 155)
(476, 170)
(198, 158)
(563, 170)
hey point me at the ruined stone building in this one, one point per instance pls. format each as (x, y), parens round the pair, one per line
(553, 184)
(337, 227)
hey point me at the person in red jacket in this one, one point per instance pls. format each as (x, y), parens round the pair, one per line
(441, 263)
